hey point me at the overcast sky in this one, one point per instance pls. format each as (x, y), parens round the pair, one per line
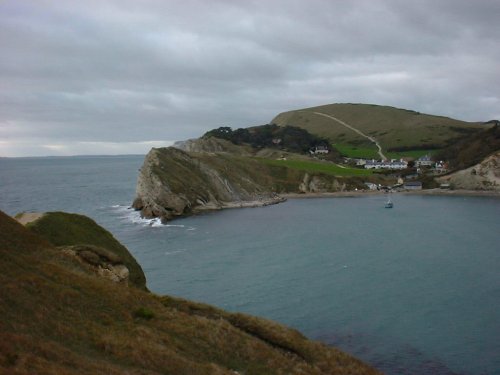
(122, 76)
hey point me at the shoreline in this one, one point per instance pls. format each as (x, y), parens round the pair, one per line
(459, 192)
(261, 202)
(356, 194)
(281, 198)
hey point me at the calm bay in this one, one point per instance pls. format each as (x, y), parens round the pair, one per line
(411, 290)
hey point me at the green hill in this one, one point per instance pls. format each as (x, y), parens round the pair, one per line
(398, 131)
(60, 317)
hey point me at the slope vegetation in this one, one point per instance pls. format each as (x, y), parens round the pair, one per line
(395, 129)
(59, 318)
(472, 150)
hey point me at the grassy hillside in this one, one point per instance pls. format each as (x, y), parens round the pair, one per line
(63, 229)
(58, 318)
(268, 173)
(395, 129)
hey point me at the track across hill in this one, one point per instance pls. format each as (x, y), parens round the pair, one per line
(371, 139)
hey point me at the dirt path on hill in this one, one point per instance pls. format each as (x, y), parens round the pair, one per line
(371, 139)
(28, 217)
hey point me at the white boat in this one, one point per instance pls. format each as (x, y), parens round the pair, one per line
(389, 203)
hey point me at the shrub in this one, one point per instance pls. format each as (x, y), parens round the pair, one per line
(144, 313)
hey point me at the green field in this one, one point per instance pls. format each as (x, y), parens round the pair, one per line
(414, 154)
(371, 153)
(357, 152)
(322, 167)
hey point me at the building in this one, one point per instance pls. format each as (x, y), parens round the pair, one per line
(423, 161)
(441, 167)
(320, 150)
(413, 185)
(393, 164)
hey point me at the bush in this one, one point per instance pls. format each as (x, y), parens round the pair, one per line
(144, 313)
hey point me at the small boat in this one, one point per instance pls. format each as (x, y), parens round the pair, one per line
(389, 203)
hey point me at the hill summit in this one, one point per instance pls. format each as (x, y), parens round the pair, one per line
(351, 125)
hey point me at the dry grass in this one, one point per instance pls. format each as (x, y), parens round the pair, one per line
(57, 318)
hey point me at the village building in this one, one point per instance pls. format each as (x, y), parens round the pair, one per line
(320, 150)
(413, 185)
(392, 164)
(440, 167)
(424, 161)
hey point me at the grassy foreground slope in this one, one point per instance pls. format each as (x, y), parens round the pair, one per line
(395, 129)
(64, 229)
(59, 318)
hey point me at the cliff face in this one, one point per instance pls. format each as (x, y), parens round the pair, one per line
(172, 183)
(482, 176)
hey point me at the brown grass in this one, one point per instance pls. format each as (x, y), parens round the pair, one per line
(57, 318)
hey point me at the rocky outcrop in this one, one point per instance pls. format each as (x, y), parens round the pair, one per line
(318, 184)
(482, 176)
(174, 183)
(103, 262)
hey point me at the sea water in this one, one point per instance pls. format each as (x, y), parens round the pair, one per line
(411, 290)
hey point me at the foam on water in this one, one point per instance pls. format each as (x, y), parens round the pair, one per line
(127, 213)
(175, 252)
(130, 215)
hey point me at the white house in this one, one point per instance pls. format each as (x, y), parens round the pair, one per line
(423, 161)
(393, 164)
(440, 167)
(320, 150)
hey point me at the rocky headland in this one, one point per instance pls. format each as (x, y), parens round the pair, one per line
(174, 183)
(215, 174)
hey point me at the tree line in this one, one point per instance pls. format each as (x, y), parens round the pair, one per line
(289, 138)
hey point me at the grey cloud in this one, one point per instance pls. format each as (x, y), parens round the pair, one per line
(135, 71)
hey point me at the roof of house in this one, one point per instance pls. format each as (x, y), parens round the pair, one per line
(424, 158)
(413, 183)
